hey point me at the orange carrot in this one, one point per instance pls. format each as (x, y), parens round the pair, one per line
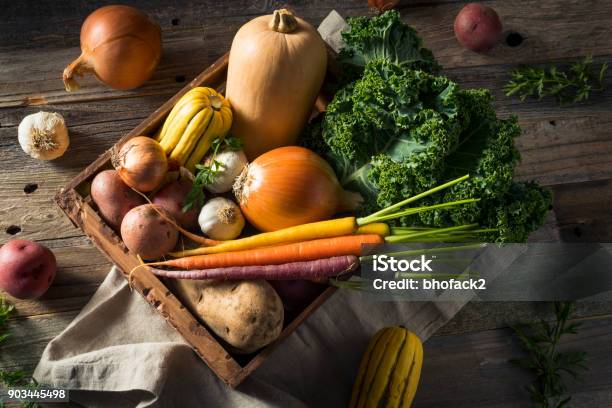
(275, 255)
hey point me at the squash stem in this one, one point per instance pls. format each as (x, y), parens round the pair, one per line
(283, 21)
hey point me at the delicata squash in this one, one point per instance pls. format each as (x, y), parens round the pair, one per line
(198, 118)
(389, 370)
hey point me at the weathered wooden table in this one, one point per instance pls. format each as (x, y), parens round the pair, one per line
(568, 149)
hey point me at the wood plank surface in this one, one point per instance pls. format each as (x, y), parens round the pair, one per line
(567, 149)
(473, 370)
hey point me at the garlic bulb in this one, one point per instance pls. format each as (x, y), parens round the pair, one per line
(43, 135)
(221, 219)
(231, 163)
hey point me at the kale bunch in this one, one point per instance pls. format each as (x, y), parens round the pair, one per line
(395, 129)
(398, 131)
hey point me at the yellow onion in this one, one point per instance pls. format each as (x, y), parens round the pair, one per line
(290, 186)
(141, 163)
(120, 45)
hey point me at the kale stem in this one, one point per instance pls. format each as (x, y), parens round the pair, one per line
(373, 217)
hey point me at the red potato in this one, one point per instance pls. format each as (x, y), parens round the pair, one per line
(297, 294)
(172, 197)
(113, 197)
(26, 268)
(477, 27)
(146, 233)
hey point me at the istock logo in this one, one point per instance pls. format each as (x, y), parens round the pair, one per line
(383, 263)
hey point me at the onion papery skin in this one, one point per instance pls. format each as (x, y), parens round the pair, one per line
(120, 45)
(290, 186)
(141, 163)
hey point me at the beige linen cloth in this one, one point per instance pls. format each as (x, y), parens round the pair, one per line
(118, 352)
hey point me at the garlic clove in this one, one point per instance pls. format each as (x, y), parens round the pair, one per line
(43, 135)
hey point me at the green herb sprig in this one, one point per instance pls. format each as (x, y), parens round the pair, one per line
(206, 173)
(6, 311)
(550, 366)
(17, 378)
(567, 86)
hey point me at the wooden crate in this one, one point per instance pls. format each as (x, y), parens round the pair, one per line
(75, 201)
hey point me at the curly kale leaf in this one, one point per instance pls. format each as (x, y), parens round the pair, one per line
(398, 131)
(487, 153)
(383, 37)
(406, 118)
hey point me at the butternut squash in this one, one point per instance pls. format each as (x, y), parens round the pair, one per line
(277, 65)
(389, 371)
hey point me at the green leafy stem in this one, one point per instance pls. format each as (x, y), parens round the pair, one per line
(16, 378)
(550, 366)
(566, 86)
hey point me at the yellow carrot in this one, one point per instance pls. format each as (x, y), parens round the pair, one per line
(378, 228)
(299, 233)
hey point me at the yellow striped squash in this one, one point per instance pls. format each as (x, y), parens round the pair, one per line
(389, 372)
(200, 116)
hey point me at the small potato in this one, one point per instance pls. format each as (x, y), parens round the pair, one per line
(477, 27)
(113, 197)
(172, 198)
(26, 268)
(147, 233)
(247, 314)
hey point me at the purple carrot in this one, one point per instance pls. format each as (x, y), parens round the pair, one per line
(317, 269)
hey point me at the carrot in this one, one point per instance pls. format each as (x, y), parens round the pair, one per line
(318, 269)
(275, 255)
(299, 233)
(378, 228)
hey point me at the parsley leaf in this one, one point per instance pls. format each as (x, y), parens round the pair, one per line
(206, 173)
